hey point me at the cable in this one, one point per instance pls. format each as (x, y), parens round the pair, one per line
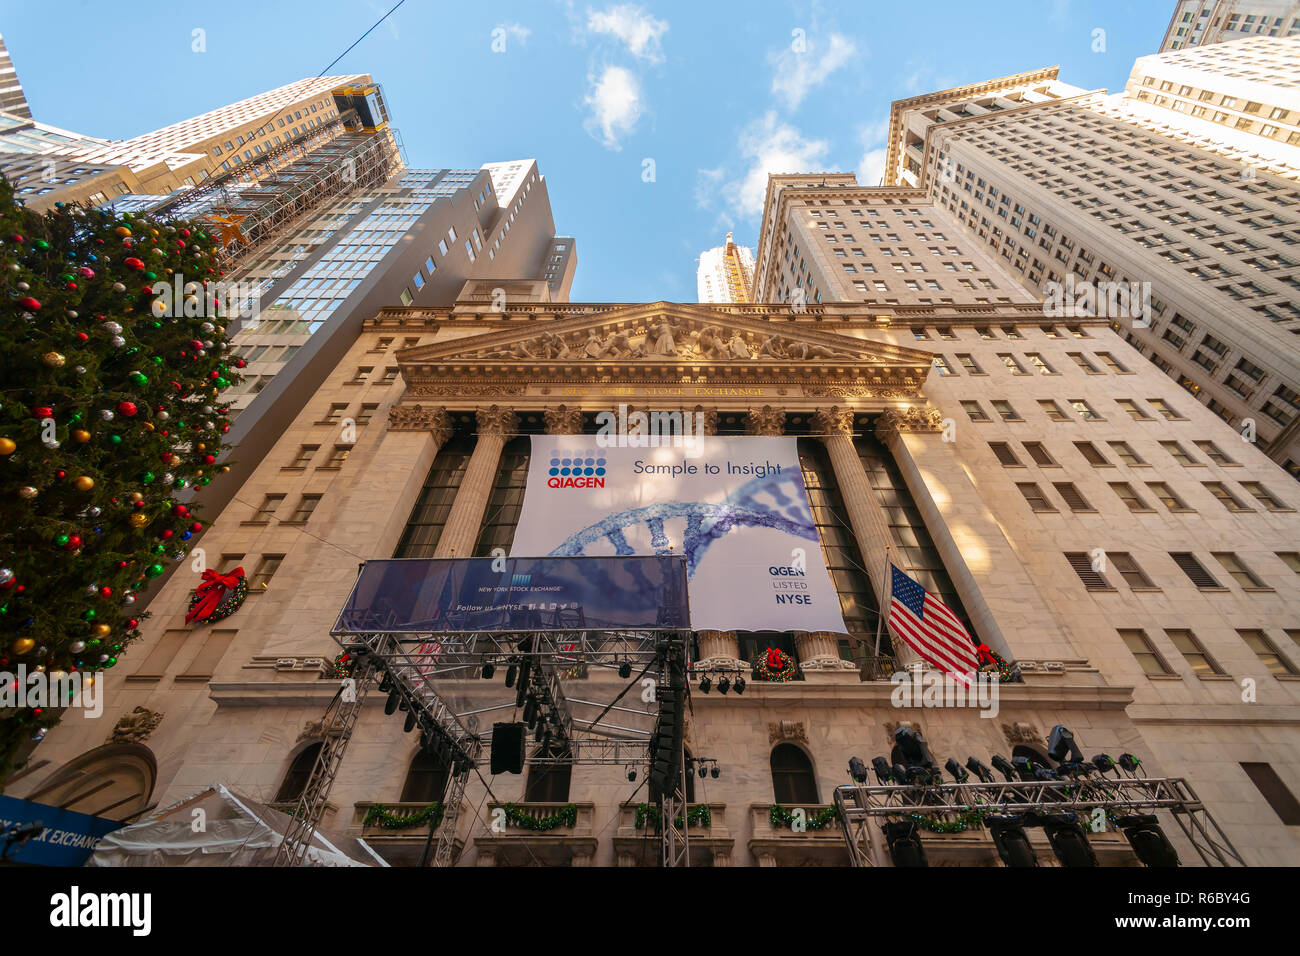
(359, 39)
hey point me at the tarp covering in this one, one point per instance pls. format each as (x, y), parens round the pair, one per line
(215, 827)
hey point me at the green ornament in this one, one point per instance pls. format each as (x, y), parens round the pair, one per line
(115, 439)
(158, 549)
(204, 480)
(222, 382)
(76, 417)
(41, 244)
(138, 378)
(61, 540)
(157, 360)
(151, 276)
(156, 325)
(89, 615)
(180, 482)
(154, 570)
(147, 477)
(110, 662)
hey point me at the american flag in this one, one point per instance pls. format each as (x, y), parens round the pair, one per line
(929, 627)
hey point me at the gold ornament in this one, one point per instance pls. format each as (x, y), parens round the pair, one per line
(201, 446)
(136, 496)
(84, 482)
(7, 446)
(102, 630)
(138, 520)
(148, 425)
(81, 435)
(28, 492)
(53, 359)
(225, 468)
(23, 645)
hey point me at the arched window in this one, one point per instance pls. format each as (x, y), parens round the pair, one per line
(295, 781)
(548, 783)
(793, 783)
(426, 779)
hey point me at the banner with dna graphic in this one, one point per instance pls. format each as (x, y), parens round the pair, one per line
(737, 510)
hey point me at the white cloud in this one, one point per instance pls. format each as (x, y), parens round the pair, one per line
(614, 99)
(771, 146)
(797, 74)
(707, 182)
(871, 167)
(516, 31)
(634, 27)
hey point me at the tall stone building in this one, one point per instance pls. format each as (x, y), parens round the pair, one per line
(1066, 185)
(1202, 22)
(726, 273)
(943, 424)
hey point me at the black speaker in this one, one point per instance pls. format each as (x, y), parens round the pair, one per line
(507, 748)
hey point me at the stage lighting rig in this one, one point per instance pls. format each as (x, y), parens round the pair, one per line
(1008, 832)
(706, 683)
(625, 670)
(1130, 764)
(1003, 766)
(857, 770)
(979, 769)
(884, 772)
(738, 685)
(1148, 840)
(489, 671)
(1104, 763)
(904, 839)
(959, 773)
(1061, 746)
(1068, 839)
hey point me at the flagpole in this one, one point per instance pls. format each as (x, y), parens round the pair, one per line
(889, 599)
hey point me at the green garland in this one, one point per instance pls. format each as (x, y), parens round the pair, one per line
(970, 819)
(779, 816)
(566, 817)
(342, 666)
(698, 815)
(385, 819)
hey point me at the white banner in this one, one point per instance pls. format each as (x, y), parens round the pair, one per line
(736, 507)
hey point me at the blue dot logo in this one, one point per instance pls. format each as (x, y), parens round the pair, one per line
(555, 471)
(600, 471)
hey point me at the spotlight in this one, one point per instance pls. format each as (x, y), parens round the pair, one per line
(1011, 840)
(409, 724)
(706, 683)
(1061, 746)
(724, 685)
(981, 771)
(530, 712)
(738, 685)
(386, 683)
(1069, 842)
(1024, 768)
(959, 773)
(1148, 841)
(905, 844)
(915, 751)
(704, 771)
(537, 734)
(1104, 762)
(390, 705)
(489, 669)
(884, 773)
(1129, 763)
(625, 670)
(631, 776)
(1003, 766)
(857, 770)
(715, 772)
(899, 773)
(511, 673)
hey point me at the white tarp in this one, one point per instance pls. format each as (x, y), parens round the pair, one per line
(735, 506)
(216, 827)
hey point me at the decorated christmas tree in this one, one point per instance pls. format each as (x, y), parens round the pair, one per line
(109, 407)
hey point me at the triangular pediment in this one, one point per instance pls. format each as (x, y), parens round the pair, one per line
(662, 334)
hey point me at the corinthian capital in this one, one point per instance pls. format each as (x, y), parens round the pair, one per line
(766, 421)
(421, 418)
(563, 420)
(496, 421)
(919, 418)
(833, 421)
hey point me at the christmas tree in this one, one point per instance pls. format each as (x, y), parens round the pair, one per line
(109, 395)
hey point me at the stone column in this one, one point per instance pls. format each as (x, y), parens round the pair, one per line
(766, 421)
(867, 518)
(719, 650)
(495, 425)
(890, 429)
(563, 420)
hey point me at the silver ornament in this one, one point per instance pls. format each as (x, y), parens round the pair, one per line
(118, 287)
(118, 341)
(112, 328)
(129, 600)
(168, 478)
(77, 647)
(23, 286)
(163, 416)
(6, 577)
(106, 414)
(79, 369)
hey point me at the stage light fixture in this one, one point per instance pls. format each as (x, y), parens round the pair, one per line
(1061, 746)
(884, 772)
(704, 772)
(386, 683)
(714, 772)
(512, 672)
(913, 746)
(1104, 762)
(706, 683)
(1068, 839)
(631, 776)
(1003, 766)
(724, 685)
(409, 724)
(1129, 762)
(979, 769)
(537, 734)
(1148, 840)
(899, 773)
(857, 770)
(390, 705)
(904, 841)
(1012, 842)
(625, 670)
(738, 685)
(959, 773)
(489, 669)
(530, 712)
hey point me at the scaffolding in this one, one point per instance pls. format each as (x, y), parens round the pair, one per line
(858, 806)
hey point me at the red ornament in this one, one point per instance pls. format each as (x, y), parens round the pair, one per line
(16, 238)
(132, 624)
(126, 408)
(82, 337)
(167, 534)
(214, 374)
(74, 542)
(134, 264)
(105, 591)
(196, 527)
(42, 411)
(30, 304)
(239, 363)
(209, 459)
(180, 511)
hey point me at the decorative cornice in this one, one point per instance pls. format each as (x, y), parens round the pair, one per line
(766, 421)
(786, 730)
(563, 420)
(496, 421)
(421, 418)
(833, 421)
(919, 418)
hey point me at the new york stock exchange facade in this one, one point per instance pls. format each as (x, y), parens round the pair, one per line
(421, 443)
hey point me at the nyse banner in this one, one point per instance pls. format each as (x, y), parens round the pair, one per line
(734, 507)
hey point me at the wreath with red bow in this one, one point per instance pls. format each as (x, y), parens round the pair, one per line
(218, 597)
(991, 662)
(775, 665)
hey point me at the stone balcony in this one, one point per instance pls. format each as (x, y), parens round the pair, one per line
(400, 845)
(709, 840)
(779, 845)
(507, 839)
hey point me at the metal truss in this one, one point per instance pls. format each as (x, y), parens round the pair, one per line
(444, 653)
(858, 805)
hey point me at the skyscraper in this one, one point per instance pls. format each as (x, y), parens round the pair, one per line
(12, 98)
(1205, 227)
(726, 273)
(1202, 22)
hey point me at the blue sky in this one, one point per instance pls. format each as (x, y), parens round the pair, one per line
(712, 93)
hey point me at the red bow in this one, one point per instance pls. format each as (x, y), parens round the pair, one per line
(985, 654)
(773, 657)
(211, 592)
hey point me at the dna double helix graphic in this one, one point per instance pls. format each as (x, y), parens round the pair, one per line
(774, 501)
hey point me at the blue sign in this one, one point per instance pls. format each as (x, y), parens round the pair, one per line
(67, 840)
(433, 595)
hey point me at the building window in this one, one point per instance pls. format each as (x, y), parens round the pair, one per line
(1167, 496)
(1038, 453)
(1195, 571)
(1034, 496)
(975, 411)
(1072, 496)
(549, 783)
(424, 526)
(334, 414)
(426, 779)
(1092, 578)
(338, 455)
(1129, 570)
(1130, 497)
(1164, 409)
(295, 781)
(1271, 787)
(1091, 455)
(1052, 410)
(1005, 411)
(1002, 451)
(1261, 494)
(793, 781)
(1187, 645)
(365, 413)
(1135, 411)
(507, 497)
(1211, 451)
(304, 456)
(1265, 650)
(1125, 453)
(1178, 453)
(268, 508)
(306, 505)
(1226, 497)
(264, 571)
(1140, 646)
